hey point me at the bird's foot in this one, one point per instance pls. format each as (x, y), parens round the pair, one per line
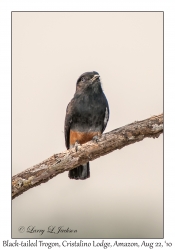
(96, 138)
(76, 146)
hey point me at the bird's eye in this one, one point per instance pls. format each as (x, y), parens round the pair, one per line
(82, 79)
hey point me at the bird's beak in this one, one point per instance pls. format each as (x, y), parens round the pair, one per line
(94, 78)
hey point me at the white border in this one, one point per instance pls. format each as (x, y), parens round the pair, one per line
(5, 93)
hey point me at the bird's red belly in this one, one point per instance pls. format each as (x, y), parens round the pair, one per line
(81, 137)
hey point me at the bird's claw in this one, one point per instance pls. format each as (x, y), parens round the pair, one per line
(95, 138)
(76, 146)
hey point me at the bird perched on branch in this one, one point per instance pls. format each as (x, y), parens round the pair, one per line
(86, 118)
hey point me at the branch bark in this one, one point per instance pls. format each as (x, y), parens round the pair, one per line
(58, 163)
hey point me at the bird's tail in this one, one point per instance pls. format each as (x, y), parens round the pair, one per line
(82, 172)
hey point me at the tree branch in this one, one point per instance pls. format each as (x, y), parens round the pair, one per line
(58, 163)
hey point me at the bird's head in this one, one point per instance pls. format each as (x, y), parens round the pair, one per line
(88, 80)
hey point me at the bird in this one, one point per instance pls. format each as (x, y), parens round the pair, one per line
(87, 115)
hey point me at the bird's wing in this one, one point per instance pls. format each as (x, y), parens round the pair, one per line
(106, 118)
(68, 122)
